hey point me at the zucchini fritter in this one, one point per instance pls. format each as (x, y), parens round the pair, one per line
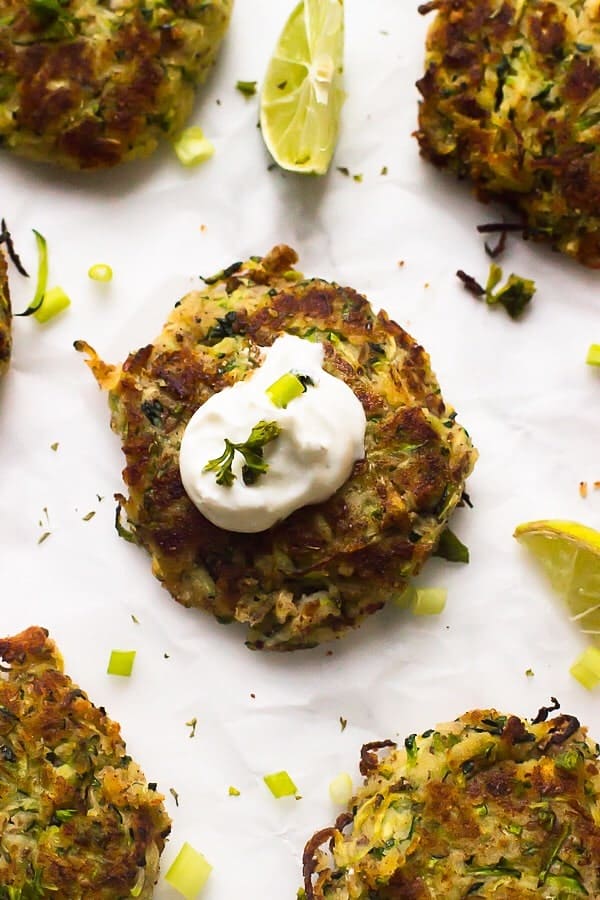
(77, 817)
(5, 317)
(89, 84)
(486, 806)
(511, 100)
(320, 571)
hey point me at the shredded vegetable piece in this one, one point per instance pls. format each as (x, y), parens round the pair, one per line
(280, 784)
(100, 272)
(429, 601)
(593, 355)
(188, 872)
(586, 669)
(450, 547)
(192, 147)
(121, 662)
(340, 789)
(247, 88)
(53, 303)
(42, 275)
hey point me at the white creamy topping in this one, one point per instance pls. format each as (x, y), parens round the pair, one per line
(322, 435)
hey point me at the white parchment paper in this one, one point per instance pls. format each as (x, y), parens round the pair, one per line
(522, 389)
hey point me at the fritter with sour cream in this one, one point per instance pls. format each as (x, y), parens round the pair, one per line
(89, 84)
(320, 571)
(5, 317)
(487, 806)
(511, 100)
(77, 817)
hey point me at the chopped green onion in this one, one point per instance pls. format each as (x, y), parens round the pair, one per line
(121, 662)
(450, 547)
(280, 784)
(247, 88)
(42, 275)
(188, 872)
(285, 389)
(340, 789)
(192, 147)
(100, 272)
(593, 356)
(53, 303)
(429, 601)
(586, 669)
(233, 792)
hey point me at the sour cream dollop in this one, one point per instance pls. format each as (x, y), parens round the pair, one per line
(322, 435)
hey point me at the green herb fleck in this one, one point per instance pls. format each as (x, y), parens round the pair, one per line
(134, 619)
(251, 449)
(43, 537)
(192, 725)
(54, 446)
(529, 673)
(451, 548)
(89, 515)
(174, 795)
(247, 88)
(343, 723)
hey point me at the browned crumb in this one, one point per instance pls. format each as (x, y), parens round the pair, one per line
(583, 489)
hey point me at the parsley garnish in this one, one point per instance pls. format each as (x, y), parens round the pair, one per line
(251, 449)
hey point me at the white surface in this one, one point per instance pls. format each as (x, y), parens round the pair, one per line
(522, 389)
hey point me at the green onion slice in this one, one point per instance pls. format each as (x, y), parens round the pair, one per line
(188, 872)
(121, 662)
(42, 275)
(280, 784)
(593, 355)
(53, 302)
(192, 147)
(429, 601)
(100, 272)
(284, 390)
(586, 669)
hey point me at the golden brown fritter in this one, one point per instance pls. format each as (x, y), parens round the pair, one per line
(320, 571)
(5, 317)
(77, 817)
(88, 84)
(511, 100)
(486, 806)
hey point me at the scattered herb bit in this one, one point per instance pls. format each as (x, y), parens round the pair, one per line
(514, 296)
(174, 795)
(192, 725)
(89, 515)
(166, 656)
(252, 450)
(280, 784)
(384, 170)
(135, 619)
(340, 789)
(122, 525)
(498, 227)
(188, 872)
(586, 668)
(42, 275)
(247, 88)
(593, 355)
(452, 548)
(99, 498)
(287, 388)
(192, 147)
(54, 446)
(358, 177)
(529, 673)
(410, 744)
(233, 792)
(343, 170)
(100, 272)
(6, 238)
(121, 662)
(343, 723)
(44, 537)
(222, 276)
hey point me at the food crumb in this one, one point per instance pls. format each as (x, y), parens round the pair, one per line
(54, 446)
(343, 723)
(583, 489)
(233, 792)
(192, 724)
(426, 284)
(596, 485)
(203, 228)
(89, 515)
(134, 619)
(530, 673)
(384, 170)
(166, 656)
(400, 263)
(175, 795)
(253, 696)
(43, 537)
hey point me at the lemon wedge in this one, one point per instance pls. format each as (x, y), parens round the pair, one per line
(302, 96)
(569, 553)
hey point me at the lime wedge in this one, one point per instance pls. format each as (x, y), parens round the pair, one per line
(302, 94)
(569, 553)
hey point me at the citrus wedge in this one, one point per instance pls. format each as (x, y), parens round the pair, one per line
(569, 553)
(302, 94)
